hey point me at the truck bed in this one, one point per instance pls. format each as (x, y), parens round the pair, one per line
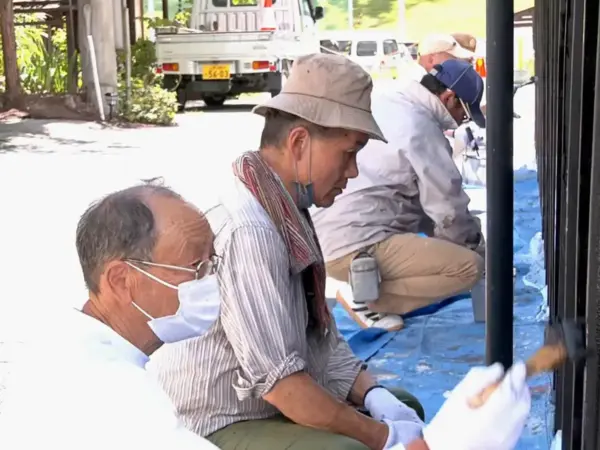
(202, 46)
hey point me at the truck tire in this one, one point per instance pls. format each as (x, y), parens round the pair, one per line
(213, 101)
(171, 82)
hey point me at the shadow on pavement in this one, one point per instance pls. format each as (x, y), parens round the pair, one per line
(52, 136)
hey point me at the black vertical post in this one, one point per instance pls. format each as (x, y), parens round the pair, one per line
(500, 178)
(133, 6)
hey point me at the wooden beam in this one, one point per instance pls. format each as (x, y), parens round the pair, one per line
(52, 23)
(29, 6)
(60, 9)
(132, 30)
(33, 4)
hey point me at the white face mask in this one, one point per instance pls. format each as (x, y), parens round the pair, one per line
(199, 307)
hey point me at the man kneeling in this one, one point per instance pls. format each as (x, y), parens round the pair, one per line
(408, 186)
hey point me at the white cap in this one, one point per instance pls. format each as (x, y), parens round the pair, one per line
(443, 43)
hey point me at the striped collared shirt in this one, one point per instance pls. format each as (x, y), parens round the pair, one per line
(261, 335)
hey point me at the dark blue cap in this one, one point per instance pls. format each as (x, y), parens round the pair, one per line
(460, 77)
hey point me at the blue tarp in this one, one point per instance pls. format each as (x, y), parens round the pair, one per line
(435, 350)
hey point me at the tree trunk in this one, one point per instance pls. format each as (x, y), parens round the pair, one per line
(13, 97)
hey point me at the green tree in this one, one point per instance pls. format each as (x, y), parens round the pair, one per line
(368, 14)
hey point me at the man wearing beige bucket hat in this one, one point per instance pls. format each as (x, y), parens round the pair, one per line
(273, 372)
(276, 348)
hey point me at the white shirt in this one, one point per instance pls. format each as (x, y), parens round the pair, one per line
(85, 387)
(408, 185)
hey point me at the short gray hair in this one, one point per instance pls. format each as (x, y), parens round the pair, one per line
(119, 226)
(278, 125)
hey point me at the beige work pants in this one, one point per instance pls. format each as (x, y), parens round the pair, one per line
(416, 271)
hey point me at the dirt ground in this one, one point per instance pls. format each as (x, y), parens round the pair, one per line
(60, 107)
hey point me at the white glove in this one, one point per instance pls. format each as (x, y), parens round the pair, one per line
(402, 433)
(497, 425)
(461, 135)
(382, 404)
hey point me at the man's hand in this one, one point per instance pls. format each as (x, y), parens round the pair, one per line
(363, 383)
(382, 404)
(300, 398)
(418, 444)
(402, 432)
(497, 425)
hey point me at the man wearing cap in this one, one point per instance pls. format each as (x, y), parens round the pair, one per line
(436, 48)
(461, 135)
(466, 41)
(406, 187)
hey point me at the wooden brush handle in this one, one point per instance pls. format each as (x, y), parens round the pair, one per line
(546, 359)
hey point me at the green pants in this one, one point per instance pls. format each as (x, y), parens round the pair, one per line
(279, 433)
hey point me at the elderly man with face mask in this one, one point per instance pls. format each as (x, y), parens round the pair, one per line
(407, 186)
(274, 372)
(148, 261)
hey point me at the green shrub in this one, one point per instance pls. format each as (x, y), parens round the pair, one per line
(42, 59)
(149, 102)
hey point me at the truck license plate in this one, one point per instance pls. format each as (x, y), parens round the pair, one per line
(216, 72)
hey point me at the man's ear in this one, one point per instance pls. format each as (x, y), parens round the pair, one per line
(118, 281)
(297, 141)
(429, 59)
(447, 96)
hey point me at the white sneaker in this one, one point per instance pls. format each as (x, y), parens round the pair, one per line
(363, 316)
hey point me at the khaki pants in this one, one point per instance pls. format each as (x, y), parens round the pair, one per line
(416, 271)
(280, 433)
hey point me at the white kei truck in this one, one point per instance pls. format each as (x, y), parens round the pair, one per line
(236, 46)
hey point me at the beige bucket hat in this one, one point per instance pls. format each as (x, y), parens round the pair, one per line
(328, 90)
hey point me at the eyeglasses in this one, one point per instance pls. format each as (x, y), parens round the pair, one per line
(202, 269)
(468, 115)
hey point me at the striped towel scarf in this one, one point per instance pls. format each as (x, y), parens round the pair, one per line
(297, 233)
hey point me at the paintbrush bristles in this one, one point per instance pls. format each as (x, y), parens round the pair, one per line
(546, 359)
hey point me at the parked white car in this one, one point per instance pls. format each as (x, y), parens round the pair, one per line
(379, 53)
